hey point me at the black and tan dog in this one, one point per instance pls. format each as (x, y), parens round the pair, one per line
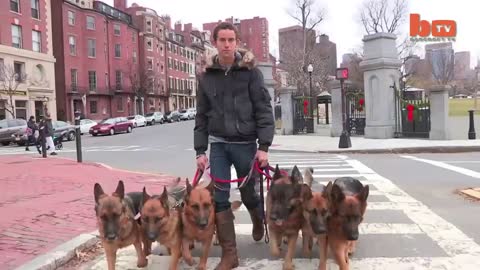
(348, 203)
(315, 208)
(284, 212)
(161, 222)
(198, 220)
(116, 224)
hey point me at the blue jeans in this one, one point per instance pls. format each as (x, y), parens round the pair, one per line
(222, 156)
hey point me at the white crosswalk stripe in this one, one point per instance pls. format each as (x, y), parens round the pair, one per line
(392, 236)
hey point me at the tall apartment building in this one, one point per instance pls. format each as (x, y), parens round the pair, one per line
(462, 65)
(441, 58)
(96, 47)
(254, 35)
(26, 59)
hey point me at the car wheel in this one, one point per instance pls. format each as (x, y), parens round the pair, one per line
(129, 129)
(161, 122)
(71, 136)
(5, 143)
(21, 143)
(112, 131)
(94, 135)
(152, 123)
(135, 125)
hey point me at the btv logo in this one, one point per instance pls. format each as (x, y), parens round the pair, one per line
(440, 30)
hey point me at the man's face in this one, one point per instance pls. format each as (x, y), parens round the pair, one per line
(226, 43)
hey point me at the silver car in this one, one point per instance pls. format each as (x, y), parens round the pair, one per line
(154, 117)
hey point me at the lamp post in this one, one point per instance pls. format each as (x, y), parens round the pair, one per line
(310, 71)
(342, 75)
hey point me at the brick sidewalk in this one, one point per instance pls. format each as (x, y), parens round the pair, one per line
(46, 202)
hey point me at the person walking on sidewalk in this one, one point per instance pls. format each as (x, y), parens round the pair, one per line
(49, 134)
(233, 112)
(31, 129)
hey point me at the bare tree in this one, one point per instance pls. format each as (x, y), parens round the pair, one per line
(381, 16)
(442, 64)
(355, 73)
(10, 79)
(296, 60)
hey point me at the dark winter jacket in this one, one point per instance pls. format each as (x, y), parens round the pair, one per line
(48, 128)
(233, 104)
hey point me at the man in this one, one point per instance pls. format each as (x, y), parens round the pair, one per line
(49, 134)
(233, 111)
(31, 128)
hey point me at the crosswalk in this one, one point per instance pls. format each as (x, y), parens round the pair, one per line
(398, 232)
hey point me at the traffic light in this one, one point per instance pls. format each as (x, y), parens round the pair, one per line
(342, 74)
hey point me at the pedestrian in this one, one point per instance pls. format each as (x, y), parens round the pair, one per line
(233, 112)
(30, 132)
(49, 134)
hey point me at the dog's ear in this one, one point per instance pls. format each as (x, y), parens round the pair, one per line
(97, 192)
(337, 194)
(363, 195)
(306, 192)
(164, 197)
(120, 191)
(297, 177)
(327, 190)
(145, 195)
(211, 187)
(189, 187)
(277, 174)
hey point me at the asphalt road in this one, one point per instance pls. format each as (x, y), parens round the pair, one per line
(415, 218)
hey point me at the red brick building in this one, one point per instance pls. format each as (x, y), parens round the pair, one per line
(96, 51)
(253, 35)
(152, 91)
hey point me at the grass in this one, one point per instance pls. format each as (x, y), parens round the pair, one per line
(460, 106)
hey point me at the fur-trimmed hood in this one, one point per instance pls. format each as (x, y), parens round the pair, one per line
(243, 59)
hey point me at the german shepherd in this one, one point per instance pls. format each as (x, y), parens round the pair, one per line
(348, 202)
(198, 220)
(116, 223)
(162, 223)
(284, 212)
(315, 213)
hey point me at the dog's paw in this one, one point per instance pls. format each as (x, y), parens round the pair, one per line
(202, 267)
(142, 263)
(189, 260)
(288, 266)
(275, 251)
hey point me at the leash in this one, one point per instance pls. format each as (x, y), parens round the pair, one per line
(262, 201)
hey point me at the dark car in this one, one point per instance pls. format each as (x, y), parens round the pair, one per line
(61, 128)
(13, 130)
(112, 126)
(172, 117)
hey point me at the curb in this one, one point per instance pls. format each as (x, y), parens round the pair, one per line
(406, 150)
(62, 253)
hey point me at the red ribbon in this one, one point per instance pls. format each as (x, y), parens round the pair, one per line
(305, 107)
(361, 102)
(410, 109)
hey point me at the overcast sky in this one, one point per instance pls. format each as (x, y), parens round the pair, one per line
(341, 21)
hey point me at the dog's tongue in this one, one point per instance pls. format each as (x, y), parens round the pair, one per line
(279, 222)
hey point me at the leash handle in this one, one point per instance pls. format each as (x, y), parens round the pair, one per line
(262, 204)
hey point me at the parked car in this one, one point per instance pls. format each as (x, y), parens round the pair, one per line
(63, 129)
(192, 112)
(154, 117)
(171, 117)
(137, 120)
(112, 126)
(184, 115)
(86, 124)
(13, 130)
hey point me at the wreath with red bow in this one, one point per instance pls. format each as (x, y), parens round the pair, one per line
(361, 103)
(305, 107)
(410, 109)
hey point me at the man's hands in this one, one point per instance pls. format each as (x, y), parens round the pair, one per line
(202, 162)
(262, 158)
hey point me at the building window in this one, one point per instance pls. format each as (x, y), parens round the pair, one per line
(150, 64)
(74, 78)
(134, 57)
(162, 68)
(16, 36)
(150, 44)
(71, 17)
(148, 27)
(118, 50)
(35, 9)
(36, 41)
(93, 106)
(116, 29)
(92, 48)
(118, 79)
(15, 5)
(92, 80)
(90, 23)
(21, 109)
(120, 104)
(72, 43)
(19, 69)
(134, 39)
